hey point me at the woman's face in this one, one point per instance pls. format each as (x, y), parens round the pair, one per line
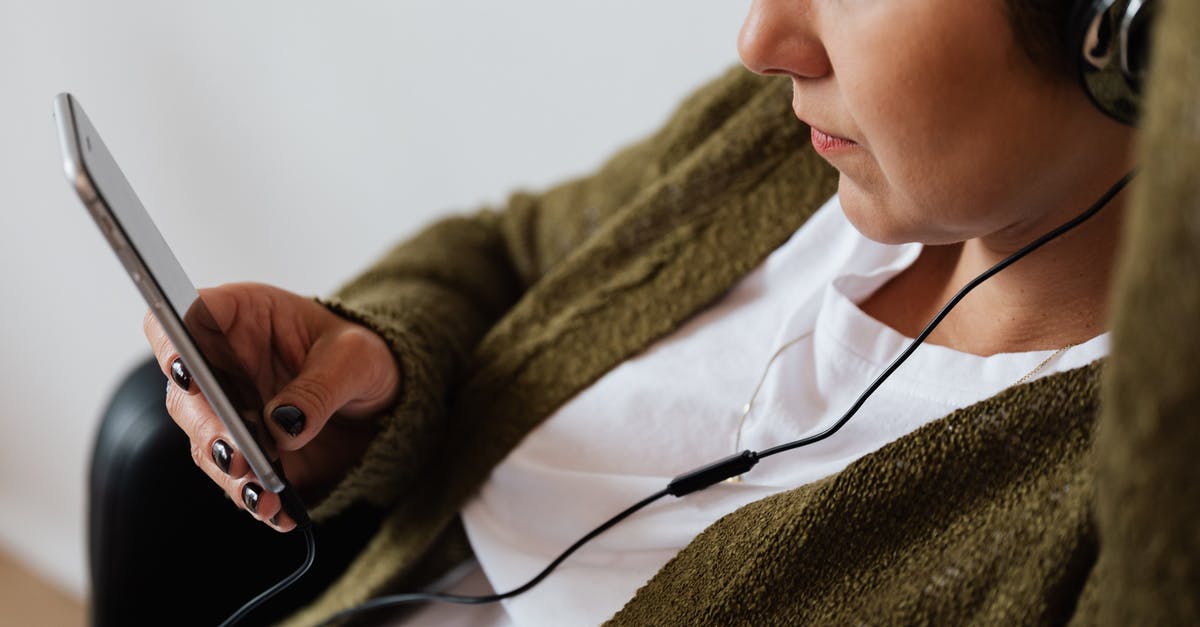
(942, 128)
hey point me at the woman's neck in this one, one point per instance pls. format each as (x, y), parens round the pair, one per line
(1054, 297)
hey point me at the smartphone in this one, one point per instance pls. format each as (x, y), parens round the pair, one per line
(204, 349)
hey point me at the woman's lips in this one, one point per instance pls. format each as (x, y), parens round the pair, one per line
(826, 143)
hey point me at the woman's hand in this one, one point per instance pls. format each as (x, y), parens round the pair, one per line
(320, 375)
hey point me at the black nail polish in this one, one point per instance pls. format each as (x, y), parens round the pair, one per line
(180, 375)
(289, 419)
(250, 493)
(222, 454)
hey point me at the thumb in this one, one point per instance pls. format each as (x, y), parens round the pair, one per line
(351, 369)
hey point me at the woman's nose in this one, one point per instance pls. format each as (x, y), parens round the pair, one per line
(779, 37)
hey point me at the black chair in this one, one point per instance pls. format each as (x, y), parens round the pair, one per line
(164, 544)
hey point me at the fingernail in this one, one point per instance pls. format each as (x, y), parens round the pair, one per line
(289, 418)
(222, 454)
(180, 375)
(250, 493)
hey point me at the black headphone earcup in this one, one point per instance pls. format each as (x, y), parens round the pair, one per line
(1107, 45)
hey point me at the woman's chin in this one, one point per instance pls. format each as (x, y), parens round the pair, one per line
(872, 216)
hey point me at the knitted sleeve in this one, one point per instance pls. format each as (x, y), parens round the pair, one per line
(436, 295)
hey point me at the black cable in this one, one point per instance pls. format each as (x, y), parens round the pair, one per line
(742, 462)
(401, 599)
(709, 474)
(987, 274)
(310, 554)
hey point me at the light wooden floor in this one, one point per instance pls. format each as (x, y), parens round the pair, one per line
(26, 599)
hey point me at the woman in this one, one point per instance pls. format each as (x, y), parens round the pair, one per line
(541, 367)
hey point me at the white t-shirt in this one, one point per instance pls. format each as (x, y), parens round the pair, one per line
(677, 406)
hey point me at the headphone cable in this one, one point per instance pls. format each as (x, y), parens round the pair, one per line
(310, 554)
(705, 476)
(937, 319)
(402, 599)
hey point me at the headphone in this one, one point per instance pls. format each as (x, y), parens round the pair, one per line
(1108, 44)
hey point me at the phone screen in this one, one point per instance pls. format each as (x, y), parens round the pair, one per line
(132, 232)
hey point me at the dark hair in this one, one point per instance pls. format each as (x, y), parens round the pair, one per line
(1040, 27)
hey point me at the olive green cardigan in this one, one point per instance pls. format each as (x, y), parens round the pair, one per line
(1010, 511)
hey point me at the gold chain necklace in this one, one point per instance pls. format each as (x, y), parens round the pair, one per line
(1038, 368)
(749, 406)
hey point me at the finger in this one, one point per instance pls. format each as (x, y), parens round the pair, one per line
(282, 522)
(169, 361)
(245, 490)
(212, 448)
(342, 371)
(214, 453)
(220, 303)
(164, 351)
(223, 302)
(254, 329)
(256, 500)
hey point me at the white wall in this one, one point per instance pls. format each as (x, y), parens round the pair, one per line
(286, 142)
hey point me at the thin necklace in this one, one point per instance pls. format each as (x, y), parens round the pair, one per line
(1038, 368)
(749, 406)
(737, 442)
